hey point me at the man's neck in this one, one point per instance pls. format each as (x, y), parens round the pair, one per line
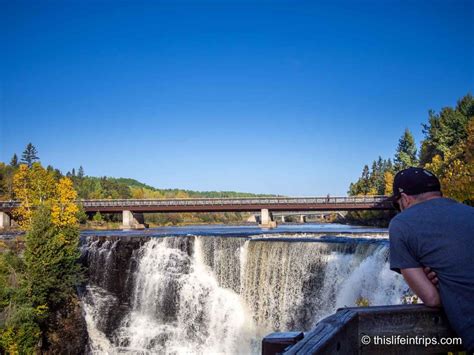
(425, 198)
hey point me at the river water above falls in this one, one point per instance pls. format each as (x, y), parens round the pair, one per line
(217, 289)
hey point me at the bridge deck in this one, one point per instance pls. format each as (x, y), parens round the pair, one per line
(230, 204)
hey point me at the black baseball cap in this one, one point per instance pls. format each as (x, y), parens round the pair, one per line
(414, 181)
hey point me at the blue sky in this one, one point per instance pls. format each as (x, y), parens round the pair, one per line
(285, 97)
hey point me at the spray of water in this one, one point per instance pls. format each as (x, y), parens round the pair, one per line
(217, 295)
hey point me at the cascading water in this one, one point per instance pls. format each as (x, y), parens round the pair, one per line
(205, 295)
(292, 285)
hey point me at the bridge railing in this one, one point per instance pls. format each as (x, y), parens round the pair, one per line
(220, 201)
(234, 201)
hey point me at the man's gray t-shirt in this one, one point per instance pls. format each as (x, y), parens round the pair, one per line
(439, 233)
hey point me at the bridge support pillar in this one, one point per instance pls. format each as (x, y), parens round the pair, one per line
(5, 221)
(283, 219)
(266, 219)
(302, 219)
(131, 220)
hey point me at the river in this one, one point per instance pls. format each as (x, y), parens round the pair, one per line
(220, 289)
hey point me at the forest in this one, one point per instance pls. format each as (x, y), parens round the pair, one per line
(447, 150)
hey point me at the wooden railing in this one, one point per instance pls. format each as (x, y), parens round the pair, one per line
(410, 329)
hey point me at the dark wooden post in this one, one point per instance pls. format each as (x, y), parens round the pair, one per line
(276, 343)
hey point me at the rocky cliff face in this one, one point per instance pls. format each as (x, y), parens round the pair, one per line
(68, 330)
(111, 263)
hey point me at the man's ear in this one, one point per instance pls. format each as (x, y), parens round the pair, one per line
(404, 201)
(407, 200)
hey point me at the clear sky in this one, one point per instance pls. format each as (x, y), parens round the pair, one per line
(285, 97)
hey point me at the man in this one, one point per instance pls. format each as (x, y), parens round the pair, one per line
(434, 233)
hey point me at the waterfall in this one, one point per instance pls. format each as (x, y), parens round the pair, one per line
(201, 295)
(292, 285)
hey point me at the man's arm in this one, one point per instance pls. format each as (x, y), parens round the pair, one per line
(422, 286)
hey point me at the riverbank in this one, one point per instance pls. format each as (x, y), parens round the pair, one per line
(379, 219)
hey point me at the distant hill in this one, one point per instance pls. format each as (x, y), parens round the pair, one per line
(135, 184)
(92, 187)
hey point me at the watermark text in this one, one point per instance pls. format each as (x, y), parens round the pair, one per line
(407, 340)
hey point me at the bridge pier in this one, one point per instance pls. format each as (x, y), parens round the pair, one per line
(302, 218)
(266, 219)
(133, 220)
(5, 221)
(283, 219)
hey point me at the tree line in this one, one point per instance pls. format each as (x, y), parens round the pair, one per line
(91, 187)
(447, 150)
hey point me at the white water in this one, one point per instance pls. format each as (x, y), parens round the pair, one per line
(227, 293)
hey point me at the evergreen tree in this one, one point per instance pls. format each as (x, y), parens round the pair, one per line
(406, 152)
(365, 180)
(363, 184)
(50, 257)
(57, 174)
(97, 217)
(378, 169)
(30, 155)
(374, 177)
(19, 330)
(82, 216)
(73, 172)
(14, 161)
(80, 172)
(51, 253)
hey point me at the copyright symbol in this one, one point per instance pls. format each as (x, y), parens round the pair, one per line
(365, 340)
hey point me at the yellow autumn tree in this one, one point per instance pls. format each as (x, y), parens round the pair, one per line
(456, 168)
(436, 166)
(21, 188)
(458, 182)
(388, 181)
(64, 209)
(31, 188)
(181, 194)
(458, 177)
(372, 191)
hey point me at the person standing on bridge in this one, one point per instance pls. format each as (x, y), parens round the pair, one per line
(431, 245)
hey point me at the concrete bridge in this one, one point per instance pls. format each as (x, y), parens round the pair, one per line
(133, 209)
(301, 216)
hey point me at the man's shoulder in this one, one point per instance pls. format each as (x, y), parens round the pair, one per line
(431, 212)
(399, 226)
(400, 220)
(440, 202)
(436, 207)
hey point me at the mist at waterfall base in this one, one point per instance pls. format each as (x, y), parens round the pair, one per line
(221, 294)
